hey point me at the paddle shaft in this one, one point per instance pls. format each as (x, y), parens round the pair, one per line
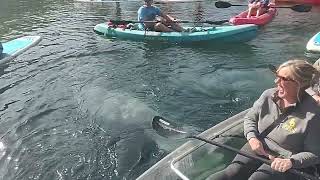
(209, 22)
(298, 8)
(269, 6)
(293, 171)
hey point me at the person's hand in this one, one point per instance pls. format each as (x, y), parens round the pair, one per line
(271, 4)
(257, 147)
(280, 164)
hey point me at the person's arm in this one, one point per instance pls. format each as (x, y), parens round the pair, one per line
(252, 117)
(251, 126)
(311, 154)
(167, 17)
(140, 14)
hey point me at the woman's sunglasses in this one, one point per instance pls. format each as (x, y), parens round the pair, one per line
(274, 71)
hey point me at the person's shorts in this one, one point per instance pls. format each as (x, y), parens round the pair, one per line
(143, 28)
(265, 3)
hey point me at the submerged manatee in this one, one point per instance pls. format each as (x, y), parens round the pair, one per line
(126, 120)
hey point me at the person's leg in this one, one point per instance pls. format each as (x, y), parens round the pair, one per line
(249, 12)
(162, 28)
(252, 7)
(260, 11)
(240, 168)
(177, 27)
(173, 26)
(265, 172)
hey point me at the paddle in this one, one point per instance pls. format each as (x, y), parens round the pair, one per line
(118, 22)
(298, 8)
(165, 128)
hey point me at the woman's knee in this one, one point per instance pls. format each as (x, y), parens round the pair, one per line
(265, 172)
(235, 171)
(158, 25)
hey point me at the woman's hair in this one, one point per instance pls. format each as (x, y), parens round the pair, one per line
(302, 72)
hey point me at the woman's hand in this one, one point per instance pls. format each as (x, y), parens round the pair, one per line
(257, 146)
(317, 98)
(279, 164)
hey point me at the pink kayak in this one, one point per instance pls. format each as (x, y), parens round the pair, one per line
(261, 20)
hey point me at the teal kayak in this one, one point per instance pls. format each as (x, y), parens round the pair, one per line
(239, 33)
(15, 47)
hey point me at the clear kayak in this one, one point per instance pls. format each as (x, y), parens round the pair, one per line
(208, 152)
(261, 20)
(196, 159)
(15, 47)
(313, 44)
(240, 33)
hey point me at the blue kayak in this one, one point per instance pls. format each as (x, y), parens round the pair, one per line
(313, 44)
(15, 47)
(239, 33)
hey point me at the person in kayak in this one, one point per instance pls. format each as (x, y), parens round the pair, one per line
(258, 6)
(283, 125)
(163, 22)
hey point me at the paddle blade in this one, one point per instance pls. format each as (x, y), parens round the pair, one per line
(168, 129)
(222, 4)
(217, 22)
(120, 22)
(302, 8)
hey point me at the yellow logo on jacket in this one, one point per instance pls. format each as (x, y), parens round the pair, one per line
(290, 125)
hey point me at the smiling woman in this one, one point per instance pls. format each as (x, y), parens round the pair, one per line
(282, 126)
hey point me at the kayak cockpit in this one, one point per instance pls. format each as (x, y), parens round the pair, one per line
(196, 159)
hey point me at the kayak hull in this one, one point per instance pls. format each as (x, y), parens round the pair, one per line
(261, 20)
(15, 47)
(204, 34)
(196, 159)
(313, 44)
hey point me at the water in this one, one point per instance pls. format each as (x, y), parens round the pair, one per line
(79, 106)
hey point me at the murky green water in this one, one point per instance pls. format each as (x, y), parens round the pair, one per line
(79, 106)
